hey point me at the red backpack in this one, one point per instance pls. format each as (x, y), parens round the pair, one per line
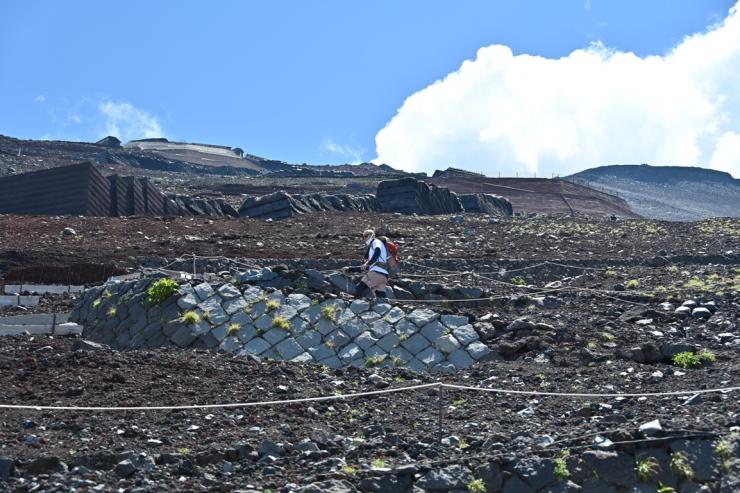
(394, 260)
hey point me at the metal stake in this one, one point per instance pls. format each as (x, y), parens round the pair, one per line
(441, 412)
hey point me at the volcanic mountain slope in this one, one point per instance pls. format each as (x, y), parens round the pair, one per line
(668, 192)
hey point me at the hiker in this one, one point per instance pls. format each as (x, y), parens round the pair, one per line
(376, 277)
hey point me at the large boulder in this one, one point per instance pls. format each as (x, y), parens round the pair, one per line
(486, 203)
(411, 196)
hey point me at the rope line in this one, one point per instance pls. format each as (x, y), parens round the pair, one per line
(437, 385)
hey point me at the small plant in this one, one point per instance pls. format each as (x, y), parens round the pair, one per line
(632, 284)
(234, 328)
(707, 357)
(349, 470)
(403, 337)
(374, 360)
(112, 311)
(463, 444)
(160, 290)
(607, 336)
(206, 314)
(561, 465)
(518, 281)
(377, 463)
(96, 304)
(329, 343)
(647, 468)
(330, 313)
(183, 451)
(680, 466)
(190, 318)
(272, 305)
(396, 360)
(611, 273)
(477, 486)
(686, 360)
(724, 451)
(664, 488)
(458, 402)
(107, 294)
(248, 309)
(592, 345)
(672, 268)
(280, 322)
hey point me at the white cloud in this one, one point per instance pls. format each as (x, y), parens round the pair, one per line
(351, 153)
(127, 122)
(40, 99)
(596, 106)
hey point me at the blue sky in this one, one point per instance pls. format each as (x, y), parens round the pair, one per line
(301, 81)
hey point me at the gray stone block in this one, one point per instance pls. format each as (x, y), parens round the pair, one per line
(381, 328)
(447, 344)
(275, 335)
(203, 291)
(354, 327)
(537, 473)
(228, 291)
(434, 330)
(257, 310)
(231, 345)
(389, 341)
(184, 335)
(401, 354)
(430, 357)
(246, 333)
(350, 352)
(298, 301)
(460, 358)
(289, 348)
(256, 346)
(234, 305)
(394, 315)
(613, 467)
(416, 344)
(369, 317)
(466, 334)
(287, 312)
(309, 339)
(220, 332)
(360, 306)
(365, 340)
(422, 316)
(263, 323)
(277, 296)
(298, 326)
(375, 351)
(701, 457)
(454, 321)
(212, 310)
(303, 358)
(321, 352)
(338, 339)
(312, 314)
(479, 351)
(253, 294)
(325, 326)
(241, 318)
(331, 362)
(344, 317)
(382, 308)
(406, 328)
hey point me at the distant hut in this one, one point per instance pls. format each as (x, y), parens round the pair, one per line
(238, 151)
(109, 141)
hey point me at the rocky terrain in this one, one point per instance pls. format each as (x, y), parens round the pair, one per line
(667, 192)
(607, 315)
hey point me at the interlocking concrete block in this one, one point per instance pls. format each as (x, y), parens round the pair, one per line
(325, 326)
(321, 352)
(389, 341)
(434, 330)
(376, 351)
(257, 310)
(309, 339)
(234, 305)
(275, 335)
(447, 344)
(312, 314)
(264, 322)
(228, 291)
(365, 340)
(256, 346)
(401, 354)
(298, 326)
(478, 350)
(212, 310)
(381, 328)
(289, 348)
(422, 316)
(354, 327)
(416, 344)
(241, 318)
(460, 358)
(338, 339)
(331, 362)
(350, 352)
(405, 328)
(360, 306)
(303, 358)
(394, 315)
(287, 312)
(204, 291)
(382, 308)
(253, 294)
(220, 332)
(430, 357)
(454, 321)
(298, 301)
(416, 365)
(465, 334)
(246, 333)
(369, 317)
(345, 316)
(231, 345)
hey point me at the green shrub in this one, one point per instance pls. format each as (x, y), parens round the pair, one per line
(477, 486)
(330, 313)
(647, 468)
(374, 360)
(518, 280)
(561, 465)
(707, 357)
(377, 463)
(632, 284)
(96, 304)
(272, 305)
(686, 360)
(680, 466)
(112, 311)
(160, 290)
(234, 328)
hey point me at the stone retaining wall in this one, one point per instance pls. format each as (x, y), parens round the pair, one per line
(248, 320)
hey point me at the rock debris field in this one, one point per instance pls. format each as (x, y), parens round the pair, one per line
(625, 307)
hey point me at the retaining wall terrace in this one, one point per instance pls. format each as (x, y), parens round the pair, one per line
(248, 320)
